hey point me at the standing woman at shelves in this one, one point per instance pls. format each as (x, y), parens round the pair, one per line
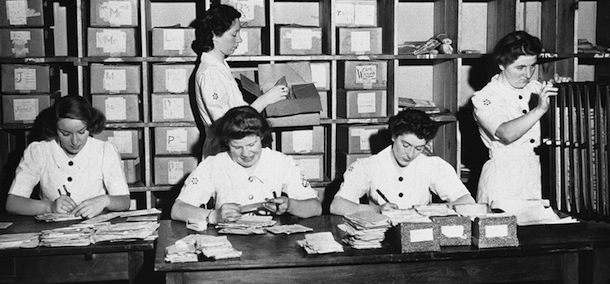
(215, 87)
(77, 174)
(507, 125)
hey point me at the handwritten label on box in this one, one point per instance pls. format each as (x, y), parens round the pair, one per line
(366, 74)
(175, 171)
(116, 13)
(176, 140)
(176, 80)
(173, 108)
(115, 108)
(111, 41)
(173, 40)
(115, 80)
(25, 79)
(17, 12)
(366, 102)
(25, 109)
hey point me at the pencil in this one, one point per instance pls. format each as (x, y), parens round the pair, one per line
(59, 191)
(277, 207)
(67, 192)
(382, 196)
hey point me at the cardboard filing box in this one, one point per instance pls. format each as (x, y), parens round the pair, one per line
(362, 103)
(25, 108)
(171, 107)
(324, 101)
(312, 166)
(251, 42)
(30, 13)
(126, 141)
(297, 72)
(115, 42)
(303, 141)
(176, 140)
(173, 170)
(173, 41)
(26, 42)
(356, 13)
(303, 119)
(252, 11)
(132, 169)
(363, 74)
(29, 78)
(299, 40)
(113, 13)
(416, 237)
(454, 230)
(124, 107)
(360, 139)
(495, 230)
(360, 40)
(297, 13)
(172, 78)
(320, 75)
(114, 79)
(302, 99)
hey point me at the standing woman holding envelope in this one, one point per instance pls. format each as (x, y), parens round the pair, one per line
(216, 90)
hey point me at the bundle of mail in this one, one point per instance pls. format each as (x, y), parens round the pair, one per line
(364, 230)
(247, 225)
(56, 217)
(188, 248)
(59, 217)
(126, 231)
(320, 243)
(19, 240)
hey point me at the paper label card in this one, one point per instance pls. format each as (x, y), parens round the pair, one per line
(365, 138)
(122, 141)
(246, 8)
(111, 41)
(361, 41)
(421, 235)
(176, 140)
(310, 168)
(454, 231)
(366, 74)
(319, 75)
(116, 13)
(364, 15)
(115, 80)
(302, 141)
(176, 80)
(173, 108)
(175, 171)
(115, 108)
(25, 109)
(345, 13)
(20, 36)
(16, 12)
(366, 102)
(496, 231)
(25, 79)
(301, 39)
(173, 40)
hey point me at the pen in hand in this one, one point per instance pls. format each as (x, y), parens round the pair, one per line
(67, 192)
(277, 207)
(382, 196)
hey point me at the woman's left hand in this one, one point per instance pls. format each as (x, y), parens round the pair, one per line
(278, 205)
(91, 207)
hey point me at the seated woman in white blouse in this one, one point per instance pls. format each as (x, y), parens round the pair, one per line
(77, 174)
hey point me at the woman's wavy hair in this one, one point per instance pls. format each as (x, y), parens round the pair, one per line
(74, 107)
(515, 44)
(413, 121)
(215, 21)
(240, 122)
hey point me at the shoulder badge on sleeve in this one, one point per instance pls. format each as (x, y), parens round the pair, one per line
(304, 181)
(215, 96)
(194, 180)
(486, 102)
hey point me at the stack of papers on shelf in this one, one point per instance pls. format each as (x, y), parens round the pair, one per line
(247, 225)
(423, 105)
(365, 230)
(405, 216)
(320, 243)
(435, 209)
(531, 212)
(56, 217)
(289, 229)
(126, 231)
(21, 240)
(67, 237)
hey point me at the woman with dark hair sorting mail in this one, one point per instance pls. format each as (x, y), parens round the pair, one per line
(216, 90)
(245, 174)
(399, 177)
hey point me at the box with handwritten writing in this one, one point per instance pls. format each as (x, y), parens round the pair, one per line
(113, 13)
(115, 79)
(173, 170)
(172, 78)
(362, 103)
(360, 40)
(112, 42)
(26, 42)
(252, 11)
(355, 13)
(172, 41)
(299, 40)
(303, 141)
(495, 230)
(126, 141)
(171, 107)
(26, 13)
(176, 140)
(24, 108)
(29, 78)
(122, 107)
(363, 74)
(415, 236)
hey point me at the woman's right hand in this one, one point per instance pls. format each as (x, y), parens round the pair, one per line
(63, 204)
(228, 212)
(275, 94)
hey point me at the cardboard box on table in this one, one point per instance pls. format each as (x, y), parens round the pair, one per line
(115, 79)
(172, 170)
(173, 41)
(26, 42)
(252, 12)
(24, 108)
(112, 42)
(454, 230)
(171, 107)
(127, 142)
(495, 230)
(362, 103)
(132, 169)
(175, 140)
(26, 13)
(312, 166)
(360, 40)
(299, 40)
(354, 75)
(120, 107)
(361, 139)
(303, 141)
(415, 237)
(113, 13)
(356, 13)
(172, 78)
(29, 78)
(251, 42)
